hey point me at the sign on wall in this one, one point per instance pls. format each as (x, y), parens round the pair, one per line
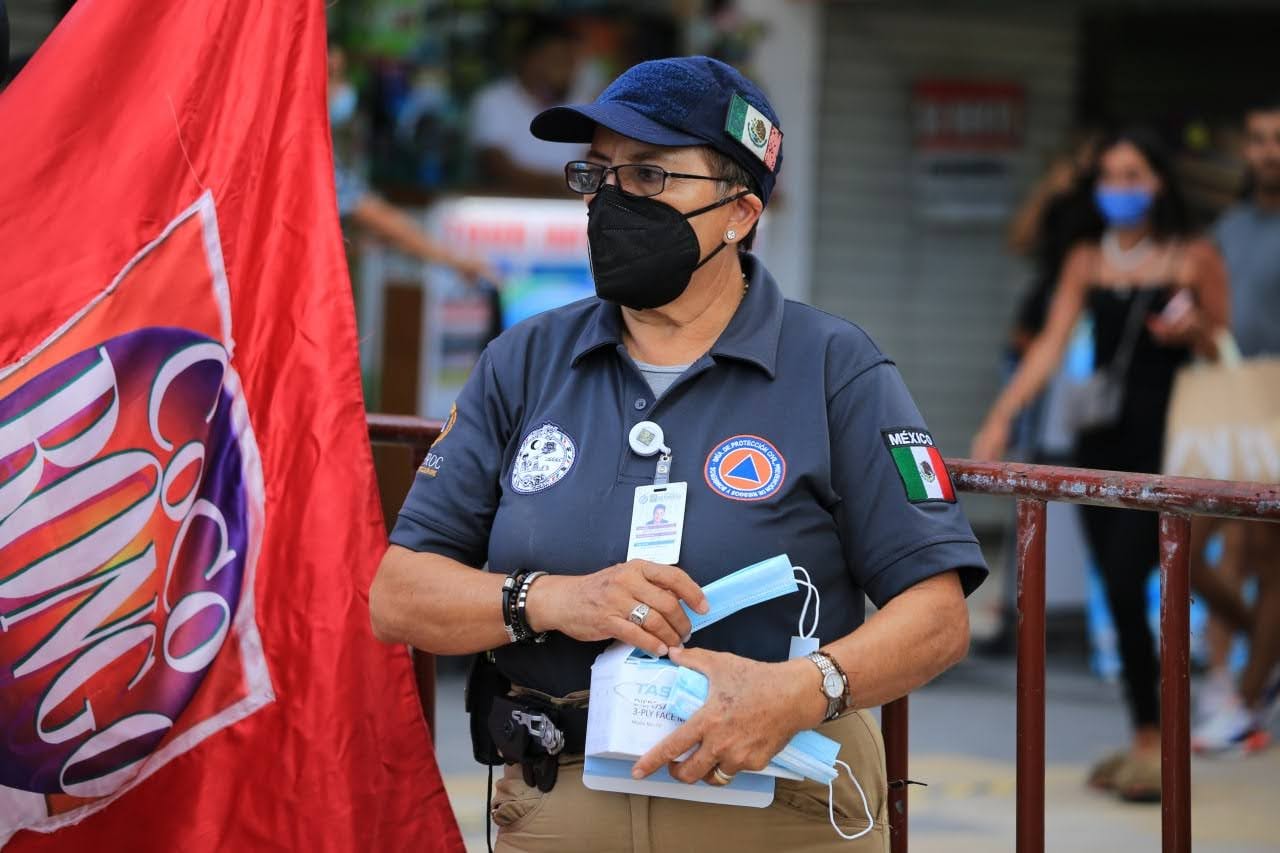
(966, 137)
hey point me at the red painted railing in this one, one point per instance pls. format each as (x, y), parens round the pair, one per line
(1175, 498)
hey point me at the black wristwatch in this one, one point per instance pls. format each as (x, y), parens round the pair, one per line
(835, 685)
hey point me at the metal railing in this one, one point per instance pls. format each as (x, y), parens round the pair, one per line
(1174, 498)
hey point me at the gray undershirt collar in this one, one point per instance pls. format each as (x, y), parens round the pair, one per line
(661, 376)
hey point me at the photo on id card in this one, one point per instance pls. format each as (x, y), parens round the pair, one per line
(657, 523)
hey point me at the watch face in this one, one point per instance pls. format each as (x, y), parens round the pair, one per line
(833, 685)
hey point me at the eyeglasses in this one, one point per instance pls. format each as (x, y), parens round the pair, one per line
(636, 179)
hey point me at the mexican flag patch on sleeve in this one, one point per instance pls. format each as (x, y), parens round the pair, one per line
(924, 474)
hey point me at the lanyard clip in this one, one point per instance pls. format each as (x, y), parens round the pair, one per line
(662, 475)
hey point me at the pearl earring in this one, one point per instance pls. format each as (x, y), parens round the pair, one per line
(730, 234)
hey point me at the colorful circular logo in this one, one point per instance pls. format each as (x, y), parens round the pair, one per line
(757, 131)
(745, 468)
(127, 531)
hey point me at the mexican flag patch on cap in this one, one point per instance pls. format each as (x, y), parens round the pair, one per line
(920, 465)
(748, 126)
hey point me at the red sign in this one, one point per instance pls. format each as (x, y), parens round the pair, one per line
(965, 116)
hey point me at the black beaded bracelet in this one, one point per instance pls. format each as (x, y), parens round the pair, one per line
(515, 593)
(510, 588)
(522, 618)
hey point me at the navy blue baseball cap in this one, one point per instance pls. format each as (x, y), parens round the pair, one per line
(687, 100)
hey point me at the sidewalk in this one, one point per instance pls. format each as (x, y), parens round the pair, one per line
(962, 744)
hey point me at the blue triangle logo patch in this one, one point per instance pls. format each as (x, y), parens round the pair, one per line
(746, 470)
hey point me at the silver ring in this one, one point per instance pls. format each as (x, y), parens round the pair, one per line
(721, 777)
(639, 612)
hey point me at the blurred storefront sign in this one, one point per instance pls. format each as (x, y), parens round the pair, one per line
(539, 246)
(966, 136)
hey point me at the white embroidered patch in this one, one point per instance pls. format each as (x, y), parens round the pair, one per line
(544, 457)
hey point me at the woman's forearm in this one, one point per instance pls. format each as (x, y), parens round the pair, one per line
(436, 604)
(917, 636)
(1032, 375)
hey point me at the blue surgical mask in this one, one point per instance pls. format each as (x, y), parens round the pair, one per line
(810, 754)
(1123, 207)
(342, 104)
(746, 587)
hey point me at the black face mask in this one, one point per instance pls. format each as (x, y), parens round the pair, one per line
(643, 252)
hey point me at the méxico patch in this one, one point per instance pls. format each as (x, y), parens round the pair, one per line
(924, 474)
(749, 126)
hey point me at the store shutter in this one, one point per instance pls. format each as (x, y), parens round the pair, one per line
(937, 298)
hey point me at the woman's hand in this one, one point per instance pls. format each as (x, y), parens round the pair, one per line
(752, 710)
(1181, 323)
(476, 270)
(598, 606)
(991, 441)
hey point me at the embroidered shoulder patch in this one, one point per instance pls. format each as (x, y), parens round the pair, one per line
(546, 454)
(924, 474)
(431, 465)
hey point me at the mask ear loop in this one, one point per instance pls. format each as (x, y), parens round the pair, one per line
(831, 805)
(810, 594)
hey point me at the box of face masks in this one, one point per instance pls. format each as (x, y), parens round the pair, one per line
(630, 690)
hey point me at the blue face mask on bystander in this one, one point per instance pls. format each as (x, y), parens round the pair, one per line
(1123, 207)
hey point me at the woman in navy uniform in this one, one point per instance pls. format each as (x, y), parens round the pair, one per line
(793, 433)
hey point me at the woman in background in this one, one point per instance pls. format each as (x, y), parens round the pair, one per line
(1140, 269)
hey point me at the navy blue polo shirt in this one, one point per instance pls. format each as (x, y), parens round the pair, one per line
(795, 435)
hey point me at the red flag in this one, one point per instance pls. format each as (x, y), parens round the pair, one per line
(188, 519)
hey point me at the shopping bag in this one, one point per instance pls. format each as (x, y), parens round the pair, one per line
(1224, 419)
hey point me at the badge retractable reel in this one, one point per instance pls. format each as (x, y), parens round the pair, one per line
(657, 512)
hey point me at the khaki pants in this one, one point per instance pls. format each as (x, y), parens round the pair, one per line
(572, 818)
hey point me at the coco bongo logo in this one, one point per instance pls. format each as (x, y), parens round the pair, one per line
(131, 516)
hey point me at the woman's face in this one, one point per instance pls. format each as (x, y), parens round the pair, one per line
(1123, 167)
(613, 149)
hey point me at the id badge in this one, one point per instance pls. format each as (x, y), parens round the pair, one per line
(657, 523)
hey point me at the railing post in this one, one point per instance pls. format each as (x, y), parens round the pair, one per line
(893, 722)
(1031, 648)
(1175, 683)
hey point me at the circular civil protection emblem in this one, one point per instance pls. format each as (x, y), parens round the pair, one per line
(745, 468)
(544, 457)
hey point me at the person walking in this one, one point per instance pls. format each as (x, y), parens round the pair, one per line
(1236, 716)
(1138, 278)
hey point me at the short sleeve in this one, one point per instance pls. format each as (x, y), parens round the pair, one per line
(450, 508)
(898, 519)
